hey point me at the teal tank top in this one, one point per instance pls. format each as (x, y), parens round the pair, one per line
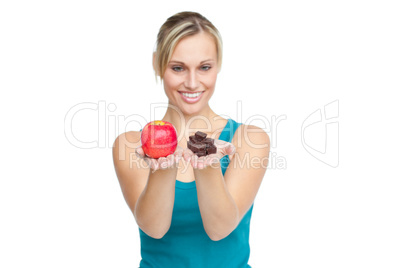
(186, 244)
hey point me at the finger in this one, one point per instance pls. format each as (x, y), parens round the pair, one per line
(187, 154)
(167, 161)
(201, 163)
(194, 160)
(164, 165)
(147, 161)
(154, 164)
(171, 160)
(177, 159)
(220, 143)
(163, 162)
(150, 162)
(139, 152)
(215, 162)
(230, 149)
(209, 160)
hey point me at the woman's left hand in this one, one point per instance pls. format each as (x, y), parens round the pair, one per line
(222, 148)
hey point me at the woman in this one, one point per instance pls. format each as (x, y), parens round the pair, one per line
(193, 211)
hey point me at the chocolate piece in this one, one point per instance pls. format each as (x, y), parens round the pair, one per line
(208, 141)
(201, 153)
(211, 149)
(190, 146)
(200, 135)
(193, 139)
(200, 145)
(196, 146)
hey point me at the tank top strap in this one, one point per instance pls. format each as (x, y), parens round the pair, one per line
(227, 135)
(229, 130)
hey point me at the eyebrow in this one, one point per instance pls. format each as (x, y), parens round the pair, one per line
(175, 61)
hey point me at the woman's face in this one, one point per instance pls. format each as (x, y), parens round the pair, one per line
(191, 73)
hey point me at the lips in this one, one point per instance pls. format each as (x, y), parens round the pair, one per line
(190, 92)
(190, 99)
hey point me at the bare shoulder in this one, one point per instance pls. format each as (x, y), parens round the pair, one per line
(126, 143)
(249, 137)
(130, 136)
(132, 171)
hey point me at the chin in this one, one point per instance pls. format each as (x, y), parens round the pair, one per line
(191, 110)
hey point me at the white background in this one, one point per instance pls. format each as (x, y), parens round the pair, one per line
(61, 206)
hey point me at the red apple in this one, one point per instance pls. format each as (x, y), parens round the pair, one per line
(159, 139)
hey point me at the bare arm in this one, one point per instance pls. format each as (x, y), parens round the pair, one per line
(154, 208)
(224, 200)
(218, 209)
(149, 195)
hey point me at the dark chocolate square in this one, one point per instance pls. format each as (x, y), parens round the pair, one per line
(199, 146)
(192, 138)
(200, 135)
(208, 141)
(190, 146)
(196, 146)
(201, 153)
(211, 149)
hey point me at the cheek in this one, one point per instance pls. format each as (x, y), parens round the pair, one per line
(170, 82)
(211, 81)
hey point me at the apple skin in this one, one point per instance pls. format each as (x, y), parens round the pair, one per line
(159, 139)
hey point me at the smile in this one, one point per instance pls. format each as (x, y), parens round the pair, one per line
(191, 97)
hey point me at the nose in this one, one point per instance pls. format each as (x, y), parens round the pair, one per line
(192, 81)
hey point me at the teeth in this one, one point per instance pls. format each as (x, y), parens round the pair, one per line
(192, 95)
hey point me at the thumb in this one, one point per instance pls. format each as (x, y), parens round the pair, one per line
(230, 149)
(139, 152)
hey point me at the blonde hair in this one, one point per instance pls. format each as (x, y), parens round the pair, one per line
(176, 28)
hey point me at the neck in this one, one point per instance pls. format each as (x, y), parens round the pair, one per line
(188, 124)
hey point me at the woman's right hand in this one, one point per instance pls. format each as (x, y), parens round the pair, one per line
(162, 162)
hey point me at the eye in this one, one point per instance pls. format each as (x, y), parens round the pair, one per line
(205, 67)
(177, 68)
